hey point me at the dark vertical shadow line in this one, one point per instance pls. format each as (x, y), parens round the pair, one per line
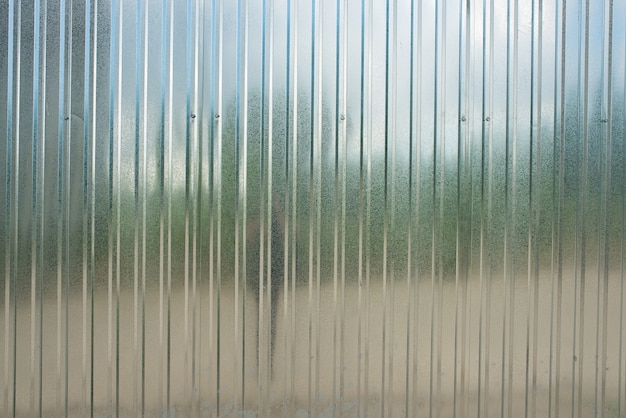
(113, 43)
(144, 107)
(68, 194)
(265, 139)
(600, 214)
(189, 197)
(262, 164)
(622, 236)
(409, 283)
(506, 276)
(310, 401)
(213, 128)
(384, 388)
(216, 200)
(34, 201)
(11, 56)
(483, 238)
(118, 215)
(558, 201)
(86, 209)
(92, 186)
(60, 196)
(292, 60)
(36, 213)
(608, 176)
(416, 137)
(137, 202)
(436, 134)
(268, 217)
(343, 118)
(287, 401)
(537, 191)
(601, 221)
(460, 247)
(440, 136)
(196, 114)
(41, 221)
(584, 68)
(580, 225)
(359, 401)
(335, 311)
(170, 170)
(368, 205)
(318, 222)
(533, 182)
(237, 162)
(344, 121)
(161, 176)
(117, 135)
(393, 99)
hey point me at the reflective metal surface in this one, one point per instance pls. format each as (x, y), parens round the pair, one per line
(312, 208)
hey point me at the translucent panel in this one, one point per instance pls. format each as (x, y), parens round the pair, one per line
(313, 208)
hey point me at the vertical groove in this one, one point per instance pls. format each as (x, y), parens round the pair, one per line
(415, 138)
(318, 137)
(368, 202)
(344, 119)
(36, 256)
(266, 57)
(144, 182)
(266, 257)
(196, 224)
(161, 178)
(11, 57)
(92, 197)
(110, 168)
(293, 52)
(384, 388)
(41, 220)
(608, 115)
(408, 400)
(533, 229)
(537, 46)
(117, 189)
(393, 132)
(622, 236)
(584, 68)
(86, 208)
(16, 206)
(170, 167)
(60, 196)
(189, 196)
(310, 400)
(33, 221)
(241, 180)
(359, 401)
(436, 92)
(557, 200)
(482, 250)
(139, 84)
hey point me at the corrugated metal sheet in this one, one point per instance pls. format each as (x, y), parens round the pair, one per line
(313, 208)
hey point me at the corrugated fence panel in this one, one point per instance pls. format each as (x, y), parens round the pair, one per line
(313, 208)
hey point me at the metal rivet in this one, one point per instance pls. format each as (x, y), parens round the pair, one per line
(487, 119)
(342, 117)
(193, 116)
(463, 119)
(217, 116)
